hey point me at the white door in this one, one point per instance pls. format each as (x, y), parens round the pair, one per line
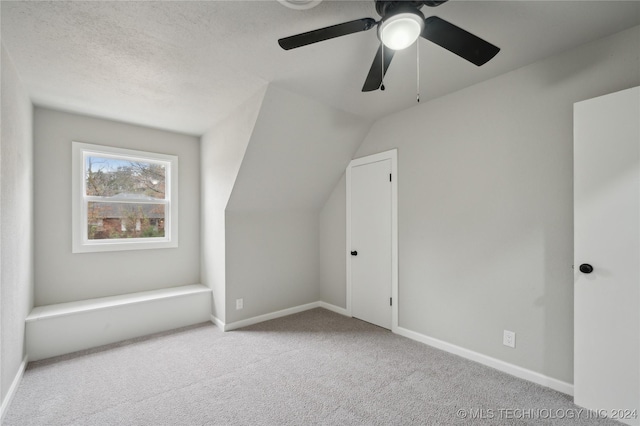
(370, 251)
(607, 238)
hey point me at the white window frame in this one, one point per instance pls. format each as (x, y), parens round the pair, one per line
(80, 200)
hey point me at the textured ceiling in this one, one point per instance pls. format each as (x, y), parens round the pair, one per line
(184, 65)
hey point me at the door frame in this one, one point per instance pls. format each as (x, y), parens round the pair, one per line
(382, 156)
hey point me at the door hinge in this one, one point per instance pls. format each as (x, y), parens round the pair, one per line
(391, 301)
(389, 177)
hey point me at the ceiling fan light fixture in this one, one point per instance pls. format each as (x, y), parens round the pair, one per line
(401, 30)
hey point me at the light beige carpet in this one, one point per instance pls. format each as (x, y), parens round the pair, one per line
(316, 367)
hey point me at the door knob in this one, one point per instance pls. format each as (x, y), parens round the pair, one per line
(354, 253)
(585, 268)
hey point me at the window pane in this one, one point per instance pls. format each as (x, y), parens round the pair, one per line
(108, 177)
(125, 220)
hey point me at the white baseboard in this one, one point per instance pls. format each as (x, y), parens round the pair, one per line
(334, 308)
(218, 322)
(13, 388)
(273, 315)
(503, 366)
(270, 316)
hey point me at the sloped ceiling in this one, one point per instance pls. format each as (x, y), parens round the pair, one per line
(298, 150)
(222, 151)
(185, 65)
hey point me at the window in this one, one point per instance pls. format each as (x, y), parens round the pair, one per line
(123, 199)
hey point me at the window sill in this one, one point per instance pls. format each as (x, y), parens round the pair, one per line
(122, 246)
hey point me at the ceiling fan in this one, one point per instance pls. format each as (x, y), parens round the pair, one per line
(401, 24)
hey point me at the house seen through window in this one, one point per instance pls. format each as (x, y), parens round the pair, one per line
(126, 198)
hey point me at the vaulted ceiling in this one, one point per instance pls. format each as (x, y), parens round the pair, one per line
(185, 65)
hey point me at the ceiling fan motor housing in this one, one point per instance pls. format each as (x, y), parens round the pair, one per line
(385, 7)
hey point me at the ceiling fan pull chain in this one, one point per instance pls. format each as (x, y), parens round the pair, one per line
(382, 78)
(418, 72)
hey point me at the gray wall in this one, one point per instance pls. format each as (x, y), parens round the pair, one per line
(296, 154)
(333, 246)
(222, 149)
(486, 205)
(272, 261)
(16, 221)
(61, 276)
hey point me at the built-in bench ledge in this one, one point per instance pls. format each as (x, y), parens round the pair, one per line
(63, 328)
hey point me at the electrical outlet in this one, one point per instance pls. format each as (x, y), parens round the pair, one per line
(509, 339)
(239, 304)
